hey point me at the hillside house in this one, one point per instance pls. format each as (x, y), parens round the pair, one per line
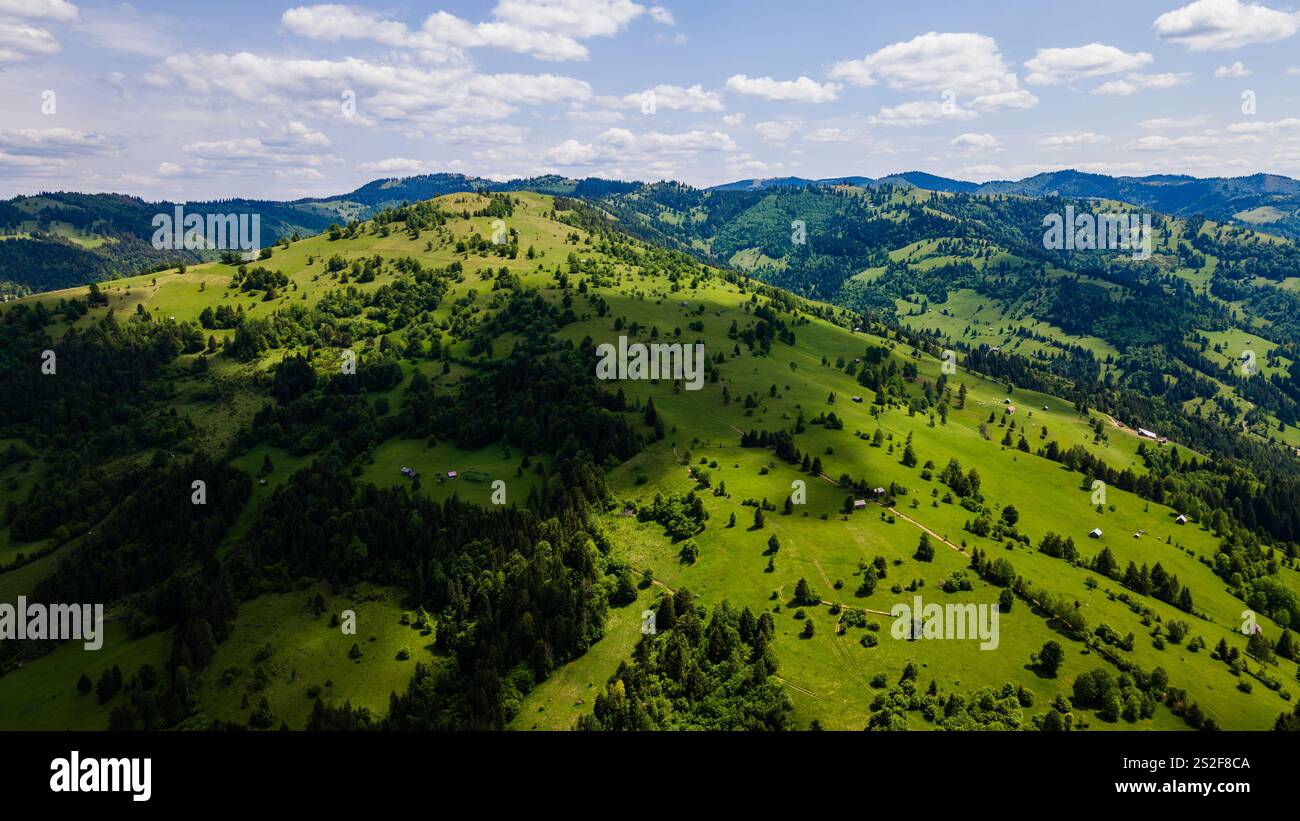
(451, 474)
(1095, 533)
(408, 472)
(859, 504)
(1181, 520)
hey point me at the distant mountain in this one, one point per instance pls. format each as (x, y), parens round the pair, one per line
(907, 179)
(55, 240)
(1265, 201)
(60, 239)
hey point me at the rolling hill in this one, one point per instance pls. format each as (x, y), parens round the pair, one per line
(838, 460)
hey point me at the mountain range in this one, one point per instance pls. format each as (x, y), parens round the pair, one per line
(59, 239)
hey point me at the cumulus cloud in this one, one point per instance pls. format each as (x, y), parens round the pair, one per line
(1208, 25)
(1134, 83)
(675, 98)
(972, 141)
(403, 96)
(544, 29)
(20, 38)
(21, 41)
(831, 135)
(1172, 122)
(289, 152)
(395, 166)
(776, 131)
(1160, 143)
(1018, 100)
(57, 142)
(622, 145)
(921, 112)
(56, 10)
(1266, 126)
(1237, 69)
(1072, 140)
(967, 64)
(1051, 66)
(662, 15)
(802, 90)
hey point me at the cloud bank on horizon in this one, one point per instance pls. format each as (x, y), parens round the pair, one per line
(190, 100)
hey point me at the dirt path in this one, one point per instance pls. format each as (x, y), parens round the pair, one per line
(906, 518)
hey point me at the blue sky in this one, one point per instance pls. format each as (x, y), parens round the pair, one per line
(264, 99)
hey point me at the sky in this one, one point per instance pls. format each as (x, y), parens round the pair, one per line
(187, 100)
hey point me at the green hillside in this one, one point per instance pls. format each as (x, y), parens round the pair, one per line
(473, 321)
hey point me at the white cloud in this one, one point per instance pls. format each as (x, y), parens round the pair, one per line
(1051, 66)
(581, 18)
(59, 11)
(544, 29)
(988, 171)
(1159, 143)
(622, 145)
(572, 152)
(487, 134)
(402, 96)
(1018, 100)
(1072, 140)
(662, 15)
(20, 165)
(57, 142)
(579, 114)
(395, 166)
(831, 135)
(1172, 122)
(288, 152)
(1237, 69)
(776, 131)
(1288, 124)
(1134, 83)
(967, 64)
(748, 163)
(734, 119)
(21, 41)
(921, 112)
(676, 98)
(802, 90)
(972, 141)
(1207, 25)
